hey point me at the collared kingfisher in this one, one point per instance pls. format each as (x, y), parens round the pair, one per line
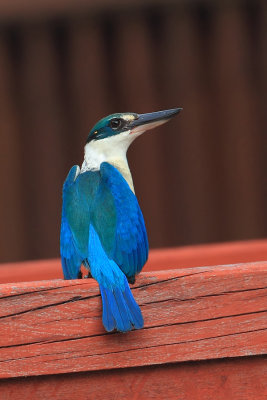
(102, 225)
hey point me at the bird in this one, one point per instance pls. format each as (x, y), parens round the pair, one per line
(102, 226)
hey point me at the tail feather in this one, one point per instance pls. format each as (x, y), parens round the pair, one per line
(120, 310)
(133, 308)
(106, 314)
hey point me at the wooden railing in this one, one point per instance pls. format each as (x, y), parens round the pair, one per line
(205, 333)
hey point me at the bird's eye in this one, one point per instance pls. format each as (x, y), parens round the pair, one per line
(116, 123)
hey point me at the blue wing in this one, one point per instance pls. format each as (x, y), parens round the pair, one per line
(74, 226)
(70, 257)
(119, 222)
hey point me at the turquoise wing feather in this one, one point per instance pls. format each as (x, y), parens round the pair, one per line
(78, 192)
(70, 256)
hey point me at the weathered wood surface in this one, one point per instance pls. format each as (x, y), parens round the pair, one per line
(54, 327)
(159, 259)
(235, 379)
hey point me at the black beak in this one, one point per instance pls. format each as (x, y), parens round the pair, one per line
(149, 118)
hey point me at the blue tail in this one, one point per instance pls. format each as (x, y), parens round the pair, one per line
(120, 310)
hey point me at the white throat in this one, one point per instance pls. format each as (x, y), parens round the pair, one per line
(112, 150)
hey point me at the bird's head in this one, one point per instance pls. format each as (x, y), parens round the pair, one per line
(124, 125)
(111, 136)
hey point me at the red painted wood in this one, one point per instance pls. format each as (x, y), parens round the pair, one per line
(235, 379)
(159, 259)
(53, 327)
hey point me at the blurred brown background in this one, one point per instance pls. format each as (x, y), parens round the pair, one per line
(65, 64)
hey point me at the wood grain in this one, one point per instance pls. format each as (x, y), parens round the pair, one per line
(54, 327)
(235, 379)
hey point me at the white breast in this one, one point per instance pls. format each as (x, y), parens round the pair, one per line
(112, 150)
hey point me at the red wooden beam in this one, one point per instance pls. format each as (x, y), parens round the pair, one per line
(54, 327)
(159, 259)
(235, 379)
